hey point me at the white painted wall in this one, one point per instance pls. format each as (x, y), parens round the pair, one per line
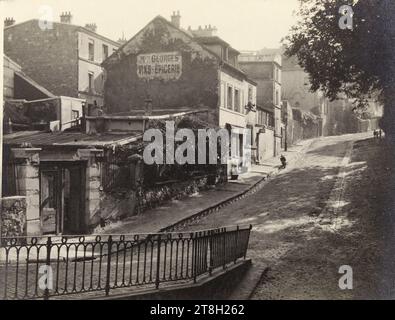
(8, 76)
(83, 47)
(265, 145)
(232, 116)
(85, 66)
(67, 106)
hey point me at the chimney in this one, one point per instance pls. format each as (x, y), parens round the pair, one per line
(91, 26)
(207, 31)
(8, 22)
(176, 19)
(65, 17)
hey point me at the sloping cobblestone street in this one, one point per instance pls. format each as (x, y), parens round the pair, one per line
(323, 213)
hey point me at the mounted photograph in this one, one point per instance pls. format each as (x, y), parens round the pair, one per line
(196, 150)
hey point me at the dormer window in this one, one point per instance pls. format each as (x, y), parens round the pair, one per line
(226, 54)
(91, 50)
(229, 99)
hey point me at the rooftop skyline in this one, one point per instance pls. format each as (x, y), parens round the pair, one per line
(254, 25)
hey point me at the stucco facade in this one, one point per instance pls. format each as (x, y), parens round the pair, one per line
(90, 72)
(265, 70)
(235, 94)
(60, 59)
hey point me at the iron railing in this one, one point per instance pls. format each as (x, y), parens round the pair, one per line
(44, 267)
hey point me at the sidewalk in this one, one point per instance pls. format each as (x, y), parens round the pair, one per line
(154, 220)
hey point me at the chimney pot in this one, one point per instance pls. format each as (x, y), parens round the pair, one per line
(65, 17)
(91, 26)
(176, 19)
(9, 22)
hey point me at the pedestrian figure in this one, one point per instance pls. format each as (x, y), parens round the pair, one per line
(380, 133)
(283, 162)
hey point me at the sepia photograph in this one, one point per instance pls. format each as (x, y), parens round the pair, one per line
(227, 151)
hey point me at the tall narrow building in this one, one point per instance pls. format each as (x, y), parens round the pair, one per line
(64, 58)
(265, 70)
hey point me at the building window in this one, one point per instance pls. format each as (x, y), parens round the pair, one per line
(277, 98)
(237, 100)
(105, 52)
(75, 114)
(241, 144)
(251, 136)
(230, 98)
(90, 81)
(250, 98)
(260, 117)
(265, 118)
(91, 50)
(242, 105)
(223, 95)
(270, 120)
(237, 145)
(225, 54)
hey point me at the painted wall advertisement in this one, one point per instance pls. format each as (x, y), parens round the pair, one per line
(162, 66)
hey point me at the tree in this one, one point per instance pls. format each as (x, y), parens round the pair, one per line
(357, 61)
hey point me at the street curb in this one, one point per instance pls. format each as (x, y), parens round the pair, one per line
(216, 286)
(257, 274)
(241, 195)
(249, 283)
(214, 208)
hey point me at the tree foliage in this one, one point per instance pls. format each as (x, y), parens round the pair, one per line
(358, 62)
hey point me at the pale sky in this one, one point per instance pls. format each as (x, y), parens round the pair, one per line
(244, 24)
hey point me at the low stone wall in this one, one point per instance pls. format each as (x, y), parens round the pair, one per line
(114, 206)
(301, 131)
(120, 204)
(13, 216)
(219, 286)
(177, 190)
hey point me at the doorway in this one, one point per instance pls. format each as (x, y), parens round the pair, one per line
(62, 195)
(50, 201)
(73, 195)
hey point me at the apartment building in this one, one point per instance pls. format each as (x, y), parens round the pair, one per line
(66, 59)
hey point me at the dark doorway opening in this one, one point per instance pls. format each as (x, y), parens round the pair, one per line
(62, 192)
(74, 205)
